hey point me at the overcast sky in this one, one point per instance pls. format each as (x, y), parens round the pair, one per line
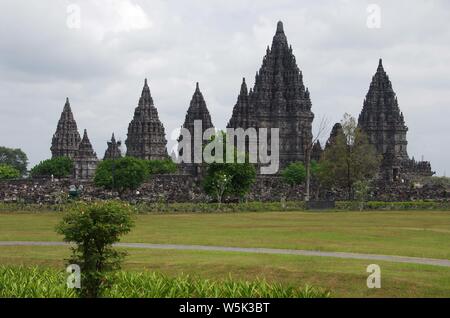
(100, 63)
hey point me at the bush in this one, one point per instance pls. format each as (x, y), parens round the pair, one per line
(162, 166)
(33, 282)
(294, 174)
(94, 228)
(60, 167)
(8, 172)
(122, 174)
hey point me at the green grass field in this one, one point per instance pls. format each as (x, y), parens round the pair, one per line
(416, 233)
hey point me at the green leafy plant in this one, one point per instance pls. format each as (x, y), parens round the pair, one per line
(36, 282)
(59, 167)
(15, 158)
(94, 228)
(8, 172)
(229, 178)
(122, 174)
(294, 174)
(162, 166)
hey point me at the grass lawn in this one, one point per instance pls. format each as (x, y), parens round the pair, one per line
(415, 233)
(418, 234)
(344, 278)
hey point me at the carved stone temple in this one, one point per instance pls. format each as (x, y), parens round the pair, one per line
(146, 137)
(383, 122)
(85, 160)
(279, 99)
(66, 139)
(197, 111)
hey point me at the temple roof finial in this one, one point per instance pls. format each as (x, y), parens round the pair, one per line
(280, 28)
(197, 87)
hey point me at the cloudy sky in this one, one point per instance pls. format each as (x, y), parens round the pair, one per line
(100, 61)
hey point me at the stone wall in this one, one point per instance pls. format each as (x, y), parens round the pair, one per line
(186, 188)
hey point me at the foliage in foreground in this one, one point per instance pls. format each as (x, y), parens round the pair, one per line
(34, 282)
(94, 228)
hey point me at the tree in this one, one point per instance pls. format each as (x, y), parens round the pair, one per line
(122, 174)
(350, 158)
(59, 167)
(294, 174)
(8, 172)
(308, 147)
(15, 158)
(162, 166)
(362, 188)
(94, 228)
(233, 179)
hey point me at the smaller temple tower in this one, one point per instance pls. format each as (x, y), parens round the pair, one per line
(197, 111)
(85, 160)
(335, 131)
(384, 124)
(146, 138)
(66, 139)
(113, 151)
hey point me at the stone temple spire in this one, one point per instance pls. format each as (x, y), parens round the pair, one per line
(197, 111)
(113, 151)
(381, 118)
(384, 124)
(335, 131)
(66, 138)
(279, 99)
(85, 160)
(243, 112)
(146, 137)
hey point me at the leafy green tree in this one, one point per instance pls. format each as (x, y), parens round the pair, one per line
(350, 158)
(8, 172)
(59, 167)
(362, 188)
(122, 174)
(162, 166)
(94, 228)
(15, 158)
(294, 174)
(229, 178)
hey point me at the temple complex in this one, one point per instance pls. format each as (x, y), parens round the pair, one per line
(146, 137)
(278, 99)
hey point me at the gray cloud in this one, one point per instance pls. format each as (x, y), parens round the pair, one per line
(101, 66)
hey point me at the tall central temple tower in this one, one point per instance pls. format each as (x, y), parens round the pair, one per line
(146, 137)
(279, 99)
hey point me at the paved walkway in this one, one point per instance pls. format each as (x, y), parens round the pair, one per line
(372, 257)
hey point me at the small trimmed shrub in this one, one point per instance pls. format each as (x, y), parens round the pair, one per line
(94, 228)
